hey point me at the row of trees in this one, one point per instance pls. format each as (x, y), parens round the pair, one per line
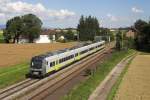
(88, 27)
(28, 26)
(142, 38)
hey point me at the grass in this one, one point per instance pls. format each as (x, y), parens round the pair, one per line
(114, 89)
(13, 74)
(84, 89)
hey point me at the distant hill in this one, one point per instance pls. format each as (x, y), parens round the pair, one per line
(2, 26)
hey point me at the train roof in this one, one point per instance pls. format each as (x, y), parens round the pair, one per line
(48, 54)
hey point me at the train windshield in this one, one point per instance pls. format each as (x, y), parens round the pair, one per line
(36, 63)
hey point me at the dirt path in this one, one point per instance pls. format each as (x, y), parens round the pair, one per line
(136, 82)
(103, 89)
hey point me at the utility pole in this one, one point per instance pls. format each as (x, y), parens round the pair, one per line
(78, 37)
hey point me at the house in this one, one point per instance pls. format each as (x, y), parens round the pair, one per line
(131, 34)
(46, 36)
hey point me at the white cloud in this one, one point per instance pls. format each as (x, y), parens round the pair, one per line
(10, 8)
(2, 15)
(112, 17)
(137, 10)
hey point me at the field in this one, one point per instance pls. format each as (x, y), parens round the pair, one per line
(12, 54)
(136, 83)
(14, 59)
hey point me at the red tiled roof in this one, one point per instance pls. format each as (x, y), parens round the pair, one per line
(48, 32)
(130, 33)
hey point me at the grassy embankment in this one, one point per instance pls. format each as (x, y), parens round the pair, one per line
(84, 89)
(13, 74)
(116, 85)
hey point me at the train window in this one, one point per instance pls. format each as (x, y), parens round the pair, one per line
(68, 58)
(76, 54)
(51, 64)
(47, 62)
(72, 56)
(82, 52)
(54, 63)
(65, 58)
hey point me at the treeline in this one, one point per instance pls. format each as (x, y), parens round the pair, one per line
(27, 26)
(142, 37)
(88, 27)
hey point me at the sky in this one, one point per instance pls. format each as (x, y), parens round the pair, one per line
(66, 13)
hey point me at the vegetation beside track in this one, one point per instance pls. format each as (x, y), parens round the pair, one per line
(13, 74)
(116, 85)
(84, 89)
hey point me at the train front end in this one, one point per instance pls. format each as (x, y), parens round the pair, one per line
(37, 67)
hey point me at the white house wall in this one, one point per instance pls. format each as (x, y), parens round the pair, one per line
(43, 39)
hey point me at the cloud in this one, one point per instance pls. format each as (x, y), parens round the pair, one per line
(112, 17)
(137, 10)
(11, 8)
(2, 15)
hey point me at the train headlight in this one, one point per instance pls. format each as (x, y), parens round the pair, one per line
(32, 64)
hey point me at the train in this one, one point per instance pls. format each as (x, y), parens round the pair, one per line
(44, 64)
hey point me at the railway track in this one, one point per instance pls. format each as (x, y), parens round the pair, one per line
(54, 84)
(50, 87)
(17, 87)
(34, 89)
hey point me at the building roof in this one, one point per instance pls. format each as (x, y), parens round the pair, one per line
(48, 32)
(130, 33)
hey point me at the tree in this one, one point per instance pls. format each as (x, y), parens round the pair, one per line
(59, 34)
(13, 29)
(28, 25)
(139, 24)
(7, 36)
(142, 39)
(69, 35)
(88, 27)
(31, 26)
(119, 40)
(81, 27)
